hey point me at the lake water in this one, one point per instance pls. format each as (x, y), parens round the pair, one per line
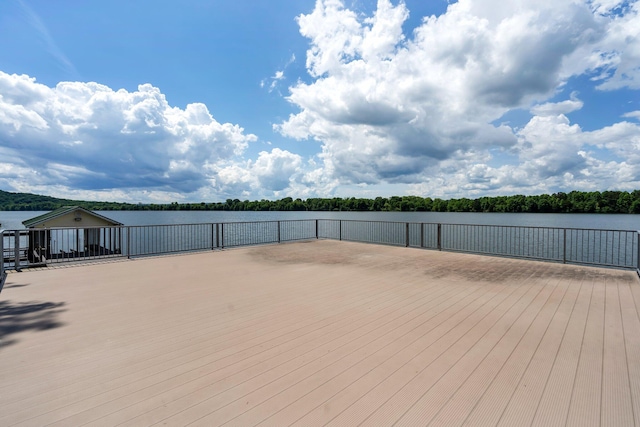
(13, 220)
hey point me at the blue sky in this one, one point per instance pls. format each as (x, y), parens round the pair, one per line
(160, 101)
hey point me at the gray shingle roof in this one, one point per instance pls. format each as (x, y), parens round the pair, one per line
(63, 211)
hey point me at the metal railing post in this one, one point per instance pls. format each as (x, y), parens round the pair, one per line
(439, 237)
(638, 255)
(278, 231)
(340, 233)
(564, 246)
(3, 274)
(78, 240)
(406, 236)
(213, 241)
(422, 234)
(316, 228)
(16, 249)
(222, 235)
(217, 235)
(128, 242)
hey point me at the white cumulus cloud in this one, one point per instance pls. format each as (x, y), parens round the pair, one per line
(390, 107)
(112, 139)
(426, 109)
(274, 171)
(89, 137)
(555, 108)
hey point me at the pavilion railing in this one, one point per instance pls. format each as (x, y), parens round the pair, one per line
(41, 247)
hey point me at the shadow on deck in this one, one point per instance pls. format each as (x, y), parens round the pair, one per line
(18, 317)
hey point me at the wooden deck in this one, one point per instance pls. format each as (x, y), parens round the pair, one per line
(321, 333)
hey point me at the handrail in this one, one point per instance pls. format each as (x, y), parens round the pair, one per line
(45, 246)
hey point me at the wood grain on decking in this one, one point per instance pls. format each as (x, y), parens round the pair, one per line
(320, 333)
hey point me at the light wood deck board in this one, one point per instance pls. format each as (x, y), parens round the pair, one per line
(231, 346)
(322, 332)
(215, 339)
(529, 363)
(327, 341)
(386, 346)
(317, 371)
(616, 392)
(339, 392)
(559, 352)
(516, 319)
(581, 396)
(269, 311)
(631, 330)
(393, 396)
(503, 365)
(299, 353)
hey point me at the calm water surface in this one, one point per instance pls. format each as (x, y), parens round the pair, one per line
(13, 220)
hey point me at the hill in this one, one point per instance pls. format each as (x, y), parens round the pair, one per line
(34, 202)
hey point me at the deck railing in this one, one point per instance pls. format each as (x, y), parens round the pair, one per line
(164, 239)
(38, 247)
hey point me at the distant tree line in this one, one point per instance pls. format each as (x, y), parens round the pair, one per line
(573, 202)
(34, 202)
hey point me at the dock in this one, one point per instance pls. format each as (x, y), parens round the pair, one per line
(320, 332)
